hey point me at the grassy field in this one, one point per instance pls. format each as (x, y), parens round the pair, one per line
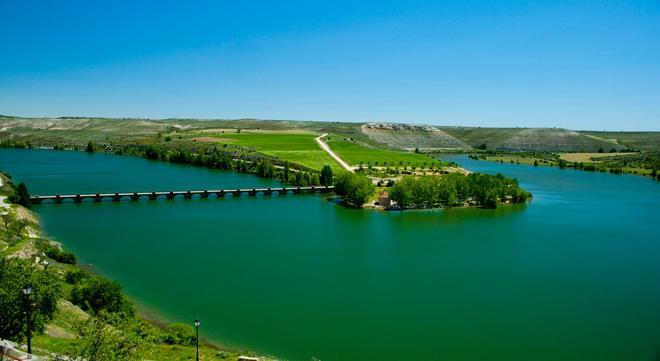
(296, 148)
(355, 154)
(587, 157)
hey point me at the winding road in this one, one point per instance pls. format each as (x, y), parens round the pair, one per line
(334, 155)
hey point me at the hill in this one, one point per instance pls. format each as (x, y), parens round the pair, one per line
(409, 137)
(532, 139)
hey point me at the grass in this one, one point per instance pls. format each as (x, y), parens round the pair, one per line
(295, 148)
(162, 352)
(587, 157)
(354, 154)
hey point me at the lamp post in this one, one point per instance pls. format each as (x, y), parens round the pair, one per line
(27, 291)
(197, 338)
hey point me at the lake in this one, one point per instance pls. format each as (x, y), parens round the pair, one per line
(573, 275)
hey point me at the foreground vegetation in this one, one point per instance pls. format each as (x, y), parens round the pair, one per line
(73, 312)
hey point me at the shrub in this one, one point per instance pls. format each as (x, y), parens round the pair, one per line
(61, 256)
(98, 294)
(74, 276)
(179, 334)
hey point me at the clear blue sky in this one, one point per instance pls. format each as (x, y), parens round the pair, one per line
(579, 65)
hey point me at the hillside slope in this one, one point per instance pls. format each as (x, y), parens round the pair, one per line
(532, 139)
(409, 137)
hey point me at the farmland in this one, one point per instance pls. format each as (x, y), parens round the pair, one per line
(295, 148)
(355, 154)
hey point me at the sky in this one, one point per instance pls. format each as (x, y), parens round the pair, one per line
(579, 65)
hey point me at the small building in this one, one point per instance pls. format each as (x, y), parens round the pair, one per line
(384, 199)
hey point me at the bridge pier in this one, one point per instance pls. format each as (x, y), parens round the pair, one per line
(220, 194)
(78, 199)
(135, 197)
(170, 195)
(116, 197)
(97, 197)
(236, 193)
(153, 196)
(205, 194)
(187, 195)
(268, 192)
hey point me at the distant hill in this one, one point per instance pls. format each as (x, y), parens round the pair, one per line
(409, 137)
(79, 130)
(532, 139)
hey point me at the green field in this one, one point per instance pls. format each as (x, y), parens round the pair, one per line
(296, 148)
(356, 154)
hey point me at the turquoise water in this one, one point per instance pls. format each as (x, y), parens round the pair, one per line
(574, 275)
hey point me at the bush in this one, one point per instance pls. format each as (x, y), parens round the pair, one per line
(180, 334)
(98, 294)
(74, 276)
(61, 256)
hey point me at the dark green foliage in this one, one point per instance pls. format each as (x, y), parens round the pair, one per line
(180, 334)
(265, 169)
(326, 175)
(355, 188)
(98, 294)
(20, 195)
(14, 275)
(91, 147)
(448, 190)
(61, 256)
(75, 276)
(109, 337)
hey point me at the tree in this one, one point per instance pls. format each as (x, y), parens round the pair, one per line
(326, 175)
(600, 150)
(20, 196)
(98, 294)
(355, 188)
(91, 147)
(14, 275)
(285, 174)
(108, 337)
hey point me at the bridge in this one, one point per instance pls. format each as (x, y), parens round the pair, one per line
(220, 193)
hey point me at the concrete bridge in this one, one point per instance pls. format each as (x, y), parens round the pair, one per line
(220, 193)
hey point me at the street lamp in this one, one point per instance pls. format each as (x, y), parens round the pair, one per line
(27, 291)
(197, 338)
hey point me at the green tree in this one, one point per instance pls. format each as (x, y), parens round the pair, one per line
(14, 275)
(98, 294)
(108, 337)
(20, 195)
(91, 147)
(326, 175)
(355, 188)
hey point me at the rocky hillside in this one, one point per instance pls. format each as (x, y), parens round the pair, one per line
(409, 137)
(532, 139)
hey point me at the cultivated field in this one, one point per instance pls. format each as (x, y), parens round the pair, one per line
(296, 148)
(354, 154)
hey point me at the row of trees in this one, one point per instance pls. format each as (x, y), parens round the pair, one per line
(452, 189)
(219, 159)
